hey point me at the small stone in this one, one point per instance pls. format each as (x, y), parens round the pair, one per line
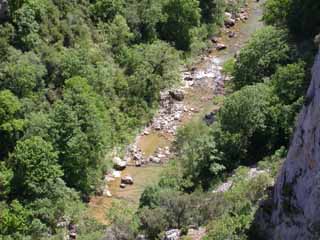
(214, 39)
(122, 185)
(231, 34)
(188, 78)
(127, 180)
(177, 95)
(107, 193)
(221, 46)
(116, 174)
(154, 159)
(146, 132)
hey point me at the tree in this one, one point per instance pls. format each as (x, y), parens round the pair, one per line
(303, 18)
(81, 135)
(248, 125)
(125, 222)
(183, 15)
(151, 15)
(212, 11)
(106, 10)
(23, 74)
(35, 165)
(153, 221)
(289, 82)
(10, 124)
(260, 57)
(6, 175)
(27, 27)
(118, 34)
(151, 68)
(199, 156)
(276, 12)
(14, 219)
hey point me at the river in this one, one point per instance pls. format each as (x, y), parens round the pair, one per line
(198, 98)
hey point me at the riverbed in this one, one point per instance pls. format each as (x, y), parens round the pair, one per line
(198, 99)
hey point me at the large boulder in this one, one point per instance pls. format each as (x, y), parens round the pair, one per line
(177, 95)
(229, 22)
(119, 164)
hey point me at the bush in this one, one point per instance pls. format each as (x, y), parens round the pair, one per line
(260, 57)
(247, 127)
(199, 157)
(183, 15)
(289, 82)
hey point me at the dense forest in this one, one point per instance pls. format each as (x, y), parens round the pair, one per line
(80, 77)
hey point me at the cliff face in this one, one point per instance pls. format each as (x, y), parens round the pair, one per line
(294, 211)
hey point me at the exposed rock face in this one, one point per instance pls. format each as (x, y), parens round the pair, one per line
(295, 206)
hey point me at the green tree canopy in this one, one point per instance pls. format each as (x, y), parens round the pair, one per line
(35, 165)
(261, 56)
(183, 15)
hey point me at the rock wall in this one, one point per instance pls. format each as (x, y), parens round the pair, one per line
(294, 210)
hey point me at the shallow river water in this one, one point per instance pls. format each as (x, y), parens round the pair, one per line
(199, 98)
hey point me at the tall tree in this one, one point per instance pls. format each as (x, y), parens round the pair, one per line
(182, 16)
(35, 166)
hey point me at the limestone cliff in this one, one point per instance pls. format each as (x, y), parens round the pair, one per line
(294, 210)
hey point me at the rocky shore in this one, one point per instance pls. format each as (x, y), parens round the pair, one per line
(174, 108)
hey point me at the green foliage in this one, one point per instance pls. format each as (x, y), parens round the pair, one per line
(198, 154)
(36, 167)
(80, 136)
(106, 10)
(152, 68)
(273, 163)
(276, 12)
(228, 66)
(212, 11)
(10, 123)
(299, 16)
(183, 15)
(235, 5)
(14, 219)
(22, 74)
(289, 82)
(118, 34)
(249, 123)
(6, 175)
(239, 206)
(154, 221)
(124, 221)
(198, 37)
(260, 57)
